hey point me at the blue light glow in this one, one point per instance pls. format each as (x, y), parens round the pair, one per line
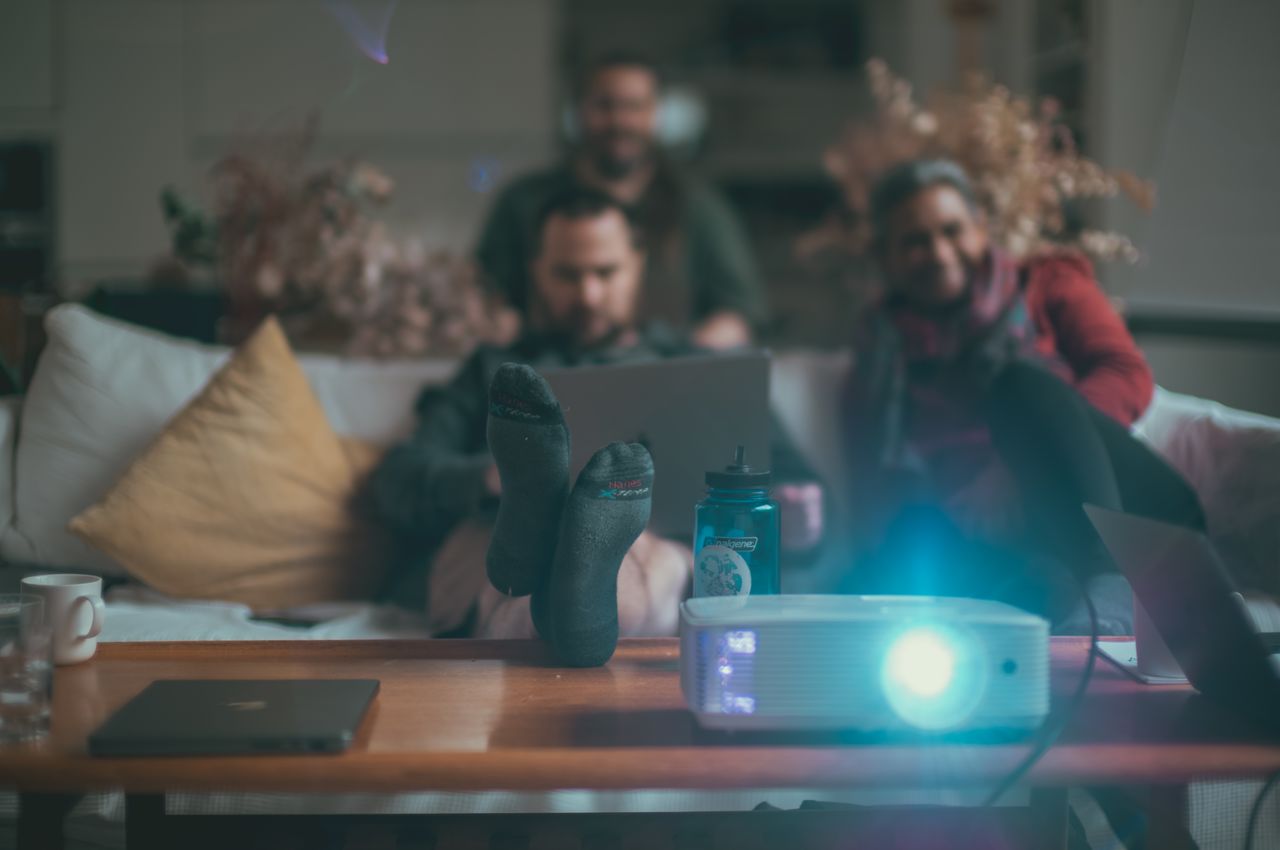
(922, 662)
(368, 31)
(742, 642)
(933, 675)
(484, 174)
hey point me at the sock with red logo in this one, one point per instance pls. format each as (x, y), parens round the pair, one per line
(605, 513)
(529, 442)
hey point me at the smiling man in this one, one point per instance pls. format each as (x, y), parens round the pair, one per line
(701, 277)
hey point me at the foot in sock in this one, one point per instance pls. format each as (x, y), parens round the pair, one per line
(605, 513)
(530, 444)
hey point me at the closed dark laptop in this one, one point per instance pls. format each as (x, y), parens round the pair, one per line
(225, 716)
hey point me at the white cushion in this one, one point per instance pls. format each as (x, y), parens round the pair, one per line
(104, 389)
(372, 399)
(101, 392)
(1232, 460)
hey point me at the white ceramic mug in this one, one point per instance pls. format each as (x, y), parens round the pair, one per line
(73, 604)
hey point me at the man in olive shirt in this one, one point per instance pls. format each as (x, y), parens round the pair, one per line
(700, 278)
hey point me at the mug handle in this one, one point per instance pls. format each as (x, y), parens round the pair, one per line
(99, 612)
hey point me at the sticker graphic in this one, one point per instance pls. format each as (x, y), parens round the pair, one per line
(721, 572)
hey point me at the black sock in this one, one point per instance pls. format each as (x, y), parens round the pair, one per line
(540, 610)
(530, 444)
(605, 513)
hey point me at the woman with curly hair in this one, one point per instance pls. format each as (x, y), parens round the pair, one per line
(990, 399)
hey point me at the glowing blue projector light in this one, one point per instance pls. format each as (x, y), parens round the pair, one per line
(867, 663)
(932, 677)
(921, 663)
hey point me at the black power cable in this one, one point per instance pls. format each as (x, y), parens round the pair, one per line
(1256, 809)
(1049, 732)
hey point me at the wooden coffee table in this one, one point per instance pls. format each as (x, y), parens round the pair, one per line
(494, 715)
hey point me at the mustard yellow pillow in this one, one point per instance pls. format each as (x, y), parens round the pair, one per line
(246, 494)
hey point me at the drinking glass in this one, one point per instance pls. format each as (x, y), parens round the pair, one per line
(26, 668)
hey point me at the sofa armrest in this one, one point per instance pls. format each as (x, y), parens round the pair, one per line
(10, 406)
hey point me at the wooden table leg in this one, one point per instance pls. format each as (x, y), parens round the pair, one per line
(40, 820)
(144, 822)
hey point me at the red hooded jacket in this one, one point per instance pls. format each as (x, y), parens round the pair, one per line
(1075, 320)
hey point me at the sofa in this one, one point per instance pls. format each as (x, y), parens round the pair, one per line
(103, 389)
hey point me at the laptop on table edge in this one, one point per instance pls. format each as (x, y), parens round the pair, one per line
(1179, 578)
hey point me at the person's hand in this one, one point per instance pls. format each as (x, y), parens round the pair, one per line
(725, 329)
(492, 480)
(799, 515)
(988, 506)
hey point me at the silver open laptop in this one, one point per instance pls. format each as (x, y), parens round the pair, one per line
(1182, 583)
(689, 411)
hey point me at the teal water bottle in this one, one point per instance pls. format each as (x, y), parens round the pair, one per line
(735, 540)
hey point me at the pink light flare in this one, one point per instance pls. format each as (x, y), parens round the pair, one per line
(367, 23)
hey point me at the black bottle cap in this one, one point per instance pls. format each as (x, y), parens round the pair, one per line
(739, 474)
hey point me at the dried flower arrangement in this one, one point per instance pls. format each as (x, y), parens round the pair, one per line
(1024, 163)
(303, 244)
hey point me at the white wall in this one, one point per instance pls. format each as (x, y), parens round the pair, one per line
(1136, 61)
(918, 40)
(1185, 94)
(1210, 238)
(26, 54)
(137, 94)
(1238, 374)
(120, 133)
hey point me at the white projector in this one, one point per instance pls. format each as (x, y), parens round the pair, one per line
(866, 663)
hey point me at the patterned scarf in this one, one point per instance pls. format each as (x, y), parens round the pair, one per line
(908, 360)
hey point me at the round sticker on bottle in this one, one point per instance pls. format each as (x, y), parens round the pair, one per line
(721, 572)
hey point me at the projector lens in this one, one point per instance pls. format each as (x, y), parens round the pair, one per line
(922, 663)
(932, 677)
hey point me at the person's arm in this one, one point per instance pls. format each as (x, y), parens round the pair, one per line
(1110, 371)
(424, 485)
(721, 331)
(722, 268)
(800, 493)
